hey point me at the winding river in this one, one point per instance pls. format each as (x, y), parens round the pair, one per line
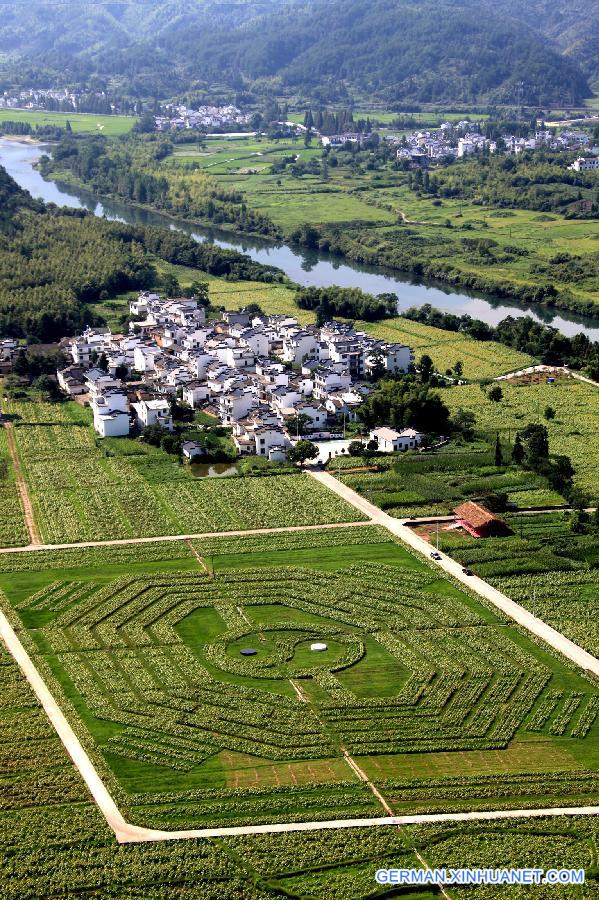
(304, 267)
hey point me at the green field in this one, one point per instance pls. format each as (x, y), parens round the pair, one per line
(119, 488)
(80, 122)
(546, 567)
(411, 485)
(574, 431)
(54, 842)
(370, 198)
(417, 678)
(288, 201)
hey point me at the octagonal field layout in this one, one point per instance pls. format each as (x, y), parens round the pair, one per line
(204, 697)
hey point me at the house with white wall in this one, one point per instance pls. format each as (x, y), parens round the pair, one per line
(391, 441)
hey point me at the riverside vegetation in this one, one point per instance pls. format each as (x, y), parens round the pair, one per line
(523, 229)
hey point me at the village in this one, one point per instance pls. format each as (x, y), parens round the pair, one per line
(265, 377)
(458, 140)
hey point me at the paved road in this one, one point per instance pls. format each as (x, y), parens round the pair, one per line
(539, 628)
(120, 542)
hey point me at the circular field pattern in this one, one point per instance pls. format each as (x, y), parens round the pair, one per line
(283, 651)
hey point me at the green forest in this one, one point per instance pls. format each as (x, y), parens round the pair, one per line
(429, 50)
(57, 264)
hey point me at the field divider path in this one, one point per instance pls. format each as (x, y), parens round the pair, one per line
(28, 515)
(122, 542)
(518, 613)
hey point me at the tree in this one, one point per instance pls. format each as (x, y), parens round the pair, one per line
(495, 394)
(103, 362)
(426, 368)
(498, 453)
(355, 448)
(405, 404)
(170, 285)
(48, 388)
(152, 434)
(199, 290)
(458, 369)
(171, 443)
(518, 450)
(21, 364)
(302, 451)
(549, 413)
(463, 422)
(121, 372)
(536, 444)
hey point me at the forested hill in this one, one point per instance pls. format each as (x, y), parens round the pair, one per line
(399, 50)
(572, 28)
(426, 50)
(12, 199)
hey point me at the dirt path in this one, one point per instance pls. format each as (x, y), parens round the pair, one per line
(121, 542)
(34, 535)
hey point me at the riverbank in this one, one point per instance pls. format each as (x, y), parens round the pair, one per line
(304, 266)
(426, 250)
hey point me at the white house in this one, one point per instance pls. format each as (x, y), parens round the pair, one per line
(585, 164)
(154, 412)
(144, 358)
(92, 341)
(192, 450)
(236, 404)
(390, 441)
(71, 380)
(111, 412)
(111, 423)
(195, 393)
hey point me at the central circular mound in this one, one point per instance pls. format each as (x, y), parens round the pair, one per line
(284, 650)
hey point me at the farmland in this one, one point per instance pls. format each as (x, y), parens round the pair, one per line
(53, 840)
(291, 185)
(119, 489)
(144, 658)
(81, 123)
(12, 526)
(574, 431)
(545, 567)
(411, 486)
(246, 164)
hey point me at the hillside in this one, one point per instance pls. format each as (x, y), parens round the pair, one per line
(426, 51)
(397, 50)
(573, 28)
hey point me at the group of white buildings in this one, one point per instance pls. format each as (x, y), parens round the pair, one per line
(456, 141)
(268, 378)
(180, 118)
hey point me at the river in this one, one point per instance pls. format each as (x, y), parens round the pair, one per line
(302, 266)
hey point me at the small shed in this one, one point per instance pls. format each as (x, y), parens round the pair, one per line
(479, 521)
(192, 450)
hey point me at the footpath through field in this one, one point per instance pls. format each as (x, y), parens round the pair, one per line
(398, 527)
(163, 538)
(34, 535)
